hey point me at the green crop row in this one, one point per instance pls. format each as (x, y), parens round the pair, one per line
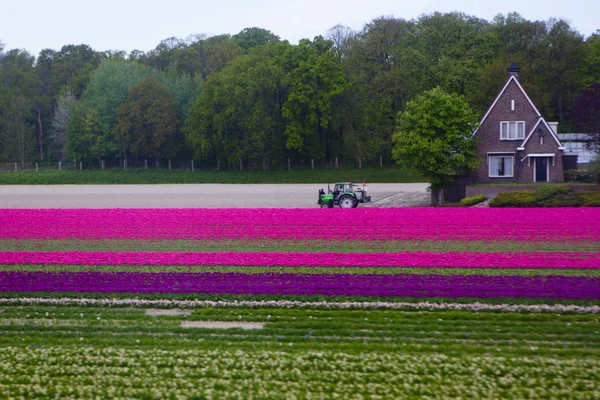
(281, 374)
(81, 352)
(309, 270)
(287, 245)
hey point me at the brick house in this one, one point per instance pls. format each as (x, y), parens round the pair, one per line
(516, 144)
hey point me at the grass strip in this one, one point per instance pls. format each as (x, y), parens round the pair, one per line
(309, 270)
(350, 246)
(153, 176)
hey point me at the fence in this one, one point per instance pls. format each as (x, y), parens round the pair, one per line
(191, 165)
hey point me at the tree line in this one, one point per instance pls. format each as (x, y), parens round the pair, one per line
(259, 99)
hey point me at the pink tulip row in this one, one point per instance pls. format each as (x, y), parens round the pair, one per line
(565, 224)
(583, 260)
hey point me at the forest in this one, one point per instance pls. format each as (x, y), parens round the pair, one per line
(255, 100)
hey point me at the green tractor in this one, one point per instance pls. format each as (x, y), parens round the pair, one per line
(344, 194)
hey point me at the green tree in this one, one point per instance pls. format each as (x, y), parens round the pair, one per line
(314, 79)
(147, 124)
(18, 85)
(592, 60)
(434, 137)
(238, 114)
(85, 138)
(250, 38)
(108, 89)
(380, 84)
(19, 139)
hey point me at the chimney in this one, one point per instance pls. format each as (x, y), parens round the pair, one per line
(554, 126)
(513, 70)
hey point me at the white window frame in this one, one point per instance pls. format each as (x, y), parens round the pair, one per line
(517, 123)
(494, 175)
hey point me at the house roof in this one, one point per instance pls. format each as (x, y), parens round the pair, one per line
(512, 78)
(543, 122)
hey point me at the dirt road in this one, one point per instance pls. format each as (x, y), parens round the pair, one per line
(198, 196)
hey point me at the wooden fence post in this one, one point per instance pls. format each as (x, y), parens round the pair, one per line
(125, 164)
(16, 170)
(145, 164)
(192, 165)
(337, 165)
(359, 162)
(312, 163)
(81, 165)
(60, 165)
(289, 165)
(241, 165)
(102, 164)
(169, 165)
(218, 165)
(380, 161)
(36, 167)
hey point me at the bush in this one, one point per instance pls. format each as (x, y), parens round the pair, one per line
(547, 196)
(569, 199)
(546, 192)
(590, 198)
(523, 198)
(578, 175)
(470, 201)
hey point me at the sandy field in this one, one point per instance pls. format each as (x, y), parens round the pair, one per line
(199, 196)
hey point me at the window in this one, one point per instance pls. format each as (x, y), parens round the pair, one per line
(512, 130)
(501, 166)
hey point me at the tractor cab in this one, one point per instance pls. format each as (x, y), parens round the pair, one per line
(344, 194)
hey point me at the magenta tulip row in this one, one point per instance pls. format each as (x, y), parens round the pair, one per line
(583, 260)
(331, 285)
(539, 224)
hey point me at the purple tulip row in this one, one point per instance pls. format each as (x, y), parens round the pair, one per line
(564, 224)
(339, 284)
(584, 260)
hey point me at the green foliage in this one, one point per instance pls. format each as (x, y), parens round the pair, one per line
(147, 124)
(590, 198)
(337, 98)
(547, 196)
(578, 175)
(434, 137)
(108, 89)
(250, 38)
(547, 191)
(562, 199)
(154, 176)
(471, 201)
(313, 80)
(522, 198)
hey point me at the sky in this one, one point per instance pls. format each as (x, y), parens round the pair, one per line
(141, 24)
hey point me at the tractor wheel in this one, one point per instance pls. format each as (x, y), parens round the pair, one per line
(347, 201)
(325, 205)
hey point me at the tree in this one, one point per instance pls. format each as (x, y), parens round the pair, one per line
(19, 140)
(238, 114)
(592, 60)
(585, 114)
(147, 124)
(380, 84)
(60, 122)
(250, 38)
(340, 35)
(314, 79)
(434, 137)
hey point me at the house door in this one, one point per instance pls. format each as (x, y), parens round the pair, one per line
(541, 169)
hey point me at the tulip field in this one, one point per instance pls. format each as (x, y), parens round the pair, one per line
(364, 303)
